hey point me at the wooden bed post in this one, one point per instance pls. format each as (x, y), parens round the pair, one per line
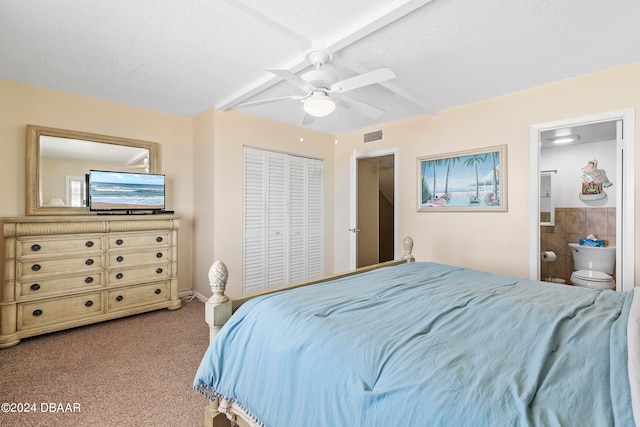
(218, 307)
(217, 312)
(407, 243)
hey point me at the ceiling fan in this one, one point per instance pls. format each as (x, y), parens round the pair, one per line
(320, 84)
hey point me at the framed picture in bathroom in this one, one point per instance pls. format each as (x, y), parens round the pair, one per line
(463, 181)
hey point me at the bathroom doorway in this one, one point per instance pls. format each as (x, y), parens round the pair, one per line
(561, 150)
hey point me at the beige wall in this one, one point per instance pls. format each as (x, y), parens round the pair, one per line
(22, 104)
(223, 225)
(203, 196)
(497, 242)
(202, 158)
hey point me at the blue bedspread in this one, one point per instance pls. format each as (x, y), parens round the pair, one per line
(425, 344)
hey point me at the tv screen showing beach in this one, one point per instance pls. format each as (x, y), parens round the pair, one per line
(125, 191)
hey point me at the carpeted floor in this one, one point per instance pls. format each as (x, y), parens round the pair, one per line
(135, 371)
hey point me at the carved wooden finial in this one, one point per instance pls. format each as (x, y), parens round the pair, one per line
(218, 274)
(407, 243)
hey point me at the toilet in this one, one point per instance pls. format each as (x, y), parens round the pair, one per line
(593, 266)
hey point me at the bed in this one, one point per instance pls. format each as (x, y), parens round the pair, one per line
(416, 343)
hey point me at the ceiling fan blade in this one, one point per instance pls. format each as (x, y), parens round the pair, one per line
(293, 78)
(372, 77)
(361, 108)
(270, 100)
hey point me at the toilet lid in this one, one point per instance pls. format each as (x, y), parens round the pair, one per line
(593, 276)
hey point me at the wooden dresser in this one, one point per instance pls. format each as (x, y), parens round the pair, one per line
(60, 272)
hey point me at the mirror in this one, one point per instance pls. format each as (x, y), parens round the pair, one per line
(547, 200)
(57, 161)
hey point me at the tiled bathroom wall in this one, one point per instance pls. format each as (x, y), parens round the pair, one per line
(570, 225)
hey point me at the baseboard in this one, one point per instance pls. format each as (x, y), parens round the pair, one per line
(187, 293)
(190, 294)
(200, 297)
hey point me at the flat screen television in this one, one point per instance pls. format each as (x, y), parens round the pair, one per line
(125, 191)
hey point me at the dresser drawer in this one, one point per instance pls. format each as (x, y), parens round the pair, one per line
(37, 288)
(119, 299)
(59, 265)
(138, 240)
(45, 246)
(38, 313)
(142, 274)
(122, 260)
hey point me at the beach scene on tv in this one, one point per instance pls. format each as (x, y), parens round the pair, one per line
(123, 191)
(463, 181)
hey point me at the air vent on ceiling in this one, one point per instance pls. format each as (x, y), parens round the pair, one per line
(373, 137)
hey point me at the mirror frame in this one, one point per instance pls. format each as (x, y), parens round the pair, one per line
(32, 169)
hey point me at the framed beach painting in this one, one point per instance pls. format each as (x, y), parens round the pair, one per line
(473, 180)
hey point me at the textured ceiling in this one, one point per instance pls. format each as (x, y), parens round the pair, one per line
(186, 56)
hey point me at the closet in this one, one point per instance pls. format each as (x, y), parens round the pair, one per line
(283, 240)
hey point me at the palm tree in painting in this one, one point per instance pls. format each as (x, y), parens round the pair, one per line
(496, 199)
(426, 193)
(450, 162)
(435, 163)
(473, 161)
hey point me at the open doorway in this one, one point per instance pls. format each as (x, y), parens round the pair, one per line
(609, 138)
(373, 209)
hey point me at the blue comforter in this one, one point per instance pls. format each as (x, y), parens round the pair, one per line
(425, 344)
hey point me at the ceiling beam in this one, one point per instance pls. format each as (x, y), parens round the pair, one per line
(257, 87)
(302, 41)
(270, 80)
(372, 23)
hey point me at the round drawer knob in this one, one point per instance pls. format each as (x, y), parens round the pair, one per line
(119, 242)
(36, 247)
(119, 276)
(158, 270)
(88, 303)
(119, 298)
(88, 280)
(159, 255)
(157, 291)
(159, 239)
(120, 258)
(89, 244)
(35, 287)
(37, 312)
(89, 261)
(36, 267)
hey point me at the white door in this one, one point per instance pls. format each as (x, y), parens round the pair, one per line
(367, 245)
(364, 224)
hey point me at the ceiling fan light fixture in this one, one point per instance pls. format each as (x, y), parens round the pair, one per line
(319, 105)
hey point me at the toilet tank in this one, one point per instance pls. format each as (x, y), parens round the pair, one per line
(593, 258)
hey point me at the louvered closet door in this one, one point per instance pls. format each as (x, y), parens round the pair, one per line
(255, 190)
(283, 225)
(276, 196)
(315, 236)
(297, 219)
